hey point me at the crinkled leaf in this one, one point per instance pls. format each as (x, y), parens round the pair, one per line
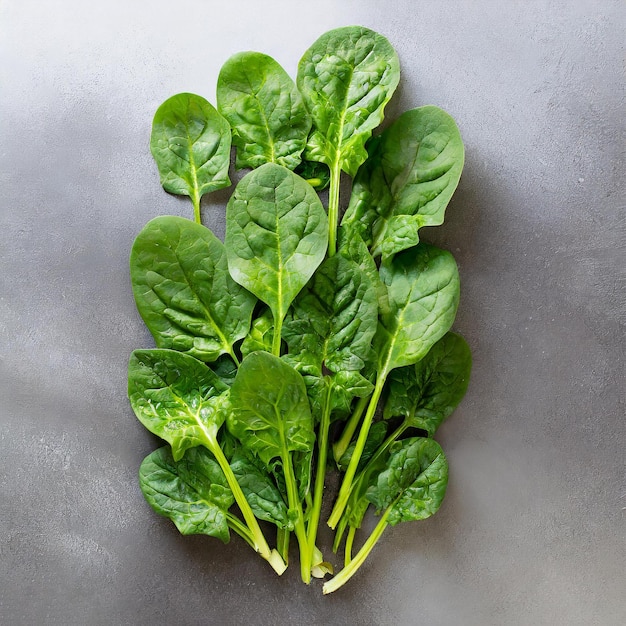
(192, 492)
(346, 78)
(261, 334)
(414, 482)
(426, 393)
(330, 327)
(269, 121)
(265, 499)
(269, 410)
(412, 170)
(176, 397)
(422, 286)
(183, 290)
(276, 235)
(190, 143)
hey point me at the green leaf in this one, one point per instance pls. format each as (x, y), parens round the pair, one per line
(413, 169)
(269, 411)
(414, 482)
(276, 235)
(419, 307)
(426, 394)
(176, 397)
(346, 78)
(264, 497)
(269, 121)
(261, 334)
(315, 173)
(192, 492)
(190, 143)
(183, 291)
(330, 327)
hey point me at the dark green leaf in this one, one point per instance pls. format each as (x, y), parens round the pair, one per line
(425, 394)
(315, 173)
(192, 492)
(346, 78)
(183, 290)
(265, 499)
(190, 143)
(422, 297)
(176, 397)
(261, 334)
(276, 235)
(269, 121)
(414, 482)
(413, 168)
(269, 411)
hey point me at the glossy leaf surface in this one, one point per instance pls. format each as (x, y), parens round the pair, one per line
(276, 235)
(412, 170)
(269, 121)
(190, 143)
(183, 290)
(426, 393)
(414, 482)
(422, 295)
(192, 492)
(346, 78)
(269, 410)
(176, 397)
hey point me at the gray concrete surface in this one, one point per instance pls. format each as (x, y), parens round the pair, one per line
(532, 530)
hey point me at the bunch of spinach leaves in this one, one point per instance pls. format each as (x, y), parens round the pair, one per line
(276, 348)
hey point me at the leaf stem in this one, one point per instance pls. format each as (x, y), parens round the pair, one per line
(346, 485)
(260, 543)
(333, 206)
(347, 572)
(195, 200)
(348, 549)
(282, 544)
(276, 338)
(320, 474)
(342, 444)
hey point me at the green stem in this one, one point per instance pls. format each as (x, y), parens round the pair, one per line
(349, 541)
(333, 207)
(341, 445)
(346, 485)
(320, 474)
(276, 339)
(241, 529)
(282, 544)
(341, 527)
(348, 572)
(195, 200)
(299, 527)
(260, 543)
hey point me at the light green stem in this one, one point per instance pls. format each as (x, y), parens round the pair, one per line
(241, 529)
(282, 544)
(348, 572)
(333, 207)
(195, 200)
(349, 541)
(320, 474)
(276, 338)
(341, 445)
(299, 527)
(346, 485)
(260, 543)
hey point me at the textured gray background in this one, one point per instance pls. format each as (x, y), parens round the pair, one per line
(532, 530)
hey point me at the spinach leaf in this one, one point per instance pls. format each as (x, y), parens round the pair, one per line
(190, 143)
(411, 487)
(315, 173)
(183, 291)
(330, 328)
(261, 334)
(176, 397)
(346, 78)
(265, 499)
(418, 308)
(426, 393)
(413, 169)
(192, 492)
(271, 417)
(276, 236)
(421, 302)
(269, 121)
